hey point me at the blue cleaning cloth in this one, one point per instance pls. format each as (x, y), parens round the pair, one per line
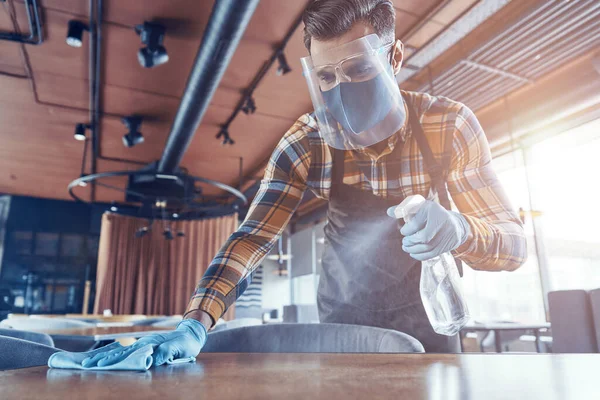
(139, 360)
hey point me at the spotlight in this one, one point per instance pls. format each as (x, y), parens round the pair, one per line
(283, 67)
(175, 215)
(152, 36)
(75, 33)
(141, 232)
(80, 132)
(250, 106)
(132, 137)
(224, 133)
(113, 207)
(168, 234)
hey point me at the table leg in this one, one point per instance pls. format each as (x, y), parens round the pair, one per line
(497, 341)
(538, 344)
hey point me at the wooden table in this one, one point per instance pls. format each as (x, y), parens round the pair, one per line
(499, 327)
(99, 333)
(325, 376)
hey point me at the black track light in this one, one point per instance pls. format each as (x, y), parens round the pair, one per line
(113, 207)
(152, 36)
(224, 133)
(250, 106)
(283, 67)
(80, 132)
(168, 234)
(133, 136)
(141, 232)
(75, 33)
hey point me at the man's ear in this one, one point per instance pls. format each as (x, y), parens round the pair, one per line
(397, 56)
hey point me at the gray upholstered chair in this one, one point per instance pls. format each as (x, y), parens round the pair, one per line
(36, 337)
(18, 353)
(310, 338)
(44, 324)
(236, 323)
(572, 322)
(594, 296)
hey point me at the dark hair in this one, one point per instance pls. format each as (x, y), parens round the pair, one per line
(326, 19)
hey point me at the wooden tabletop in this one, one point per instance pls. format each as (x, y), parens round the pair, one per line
(105, 333)
(325, 376)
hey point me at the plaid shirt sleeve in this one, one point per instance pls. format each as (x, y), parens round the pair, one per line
(497, 240)
(278, 197)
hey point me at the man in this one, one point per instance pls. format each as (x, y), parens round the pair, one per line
(367, 146)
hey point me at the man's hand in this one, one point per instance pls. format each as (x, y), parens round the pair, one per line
(185, 341)
(432, 231)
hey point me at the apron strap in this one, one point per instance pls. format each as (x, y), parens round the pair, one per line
(337, 167)
(437, 172)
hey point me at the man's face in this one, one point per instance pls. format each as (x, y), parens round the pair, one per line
(351, 80)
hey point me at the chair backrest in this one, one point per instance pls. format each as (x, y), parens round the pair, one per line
(34, 324)
(572, 322)
(36, 337)
(310, 338)
(19, 353)
(594, 296)
(300, 313)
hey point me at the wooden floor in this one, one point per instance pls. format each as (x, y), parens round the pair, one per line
(325, 376)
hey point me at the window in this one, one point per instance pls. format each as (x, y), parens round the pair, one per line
(563, 174)
(72, 245)
(307, 250)
(305, 291)
(46, 244)
(21, 242)
(509, 296)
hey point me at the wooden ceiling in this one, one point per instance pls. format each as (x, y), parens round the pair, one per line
(40, 106)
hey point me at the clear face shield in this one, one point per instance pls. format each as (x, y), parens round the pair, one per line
(355, 95)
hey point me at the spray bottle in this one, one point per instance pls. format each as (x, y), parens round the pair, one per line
(440, 287)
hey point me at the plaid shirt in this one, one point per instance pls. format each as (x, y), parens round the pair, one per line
(302, 160)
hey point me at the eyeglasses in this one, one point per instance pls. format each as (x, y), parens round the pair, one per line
(355, 68)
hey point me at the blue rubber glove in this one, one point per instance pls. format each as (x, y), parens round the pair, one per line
(185, 341)
(432, 231)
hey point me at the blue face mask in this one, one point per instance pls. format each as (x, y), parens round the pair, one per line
(359, 106)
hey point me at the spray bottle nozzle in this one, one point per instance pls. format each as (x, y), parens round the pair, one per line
(409, 207)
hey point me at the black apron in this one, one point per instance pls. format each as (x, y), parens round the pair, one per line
(367, 279)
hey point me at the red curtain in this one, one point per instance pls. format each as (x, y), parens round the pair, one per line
(151, 275)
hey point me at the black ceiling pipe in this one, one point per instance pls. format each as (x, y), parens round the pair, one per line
(228, 21)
